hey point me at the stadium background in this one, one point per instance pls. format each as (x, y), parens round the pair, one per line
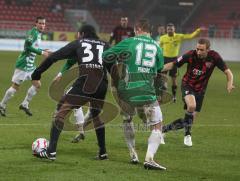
(215, 154)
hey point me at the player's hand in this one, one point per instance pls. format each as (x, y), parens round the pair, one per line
(46, 53)
(230, 87)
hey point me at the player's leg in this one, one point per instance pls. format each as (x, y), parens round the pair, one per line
(32, 91)
(154, 115)
(55, 131)
(79, 117)
(127, 112)
(175, 125)
(95, 111)
(129, 134)
(173, 75)
(17, 78)
(66, 104)
(189, 116)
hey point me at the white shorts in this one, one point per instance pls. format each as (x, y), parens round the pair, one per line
(150, 114)
(20, 76)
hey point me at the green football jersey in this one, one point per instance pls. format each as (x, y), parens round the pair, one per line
(140, 58)
(68, 65)
(26, 60)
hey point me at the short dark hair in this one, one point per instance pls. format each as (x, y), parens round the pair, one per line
(205, 41)
(89, 31)
(144, 25)
(170, 24)
(39, 18)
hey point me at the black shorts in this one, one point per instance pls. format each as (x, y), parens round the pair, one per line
(80, 88)
(173, 71)
(198, 97)
(80, 93)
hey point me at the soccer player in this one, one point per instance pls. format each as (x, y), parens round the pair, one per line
(25, 65)
(200, 65)
(138, 59)
(170, 44)
(91, 86)
(121, 31)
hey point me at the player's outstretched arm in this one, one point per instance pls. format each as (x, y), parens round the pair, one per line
(68, 51)
(229, 76)
(168, 66)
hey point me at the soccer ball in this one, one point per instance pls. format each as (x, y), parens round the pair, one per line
(39, 144)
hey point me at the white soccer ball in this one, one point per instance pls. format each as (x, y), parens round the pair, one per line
(39, 144)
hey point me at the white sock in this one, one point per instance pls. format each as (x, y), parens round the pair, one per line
(78, 114)
(9, 93)
(32, 91)
(129, 133)
(153, 144)
(79, 117)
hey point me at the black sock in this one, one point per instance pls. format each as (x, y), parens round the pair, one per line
(56, 130)
(175, 125)
(188, 123)
(174, 90)
(100, 133)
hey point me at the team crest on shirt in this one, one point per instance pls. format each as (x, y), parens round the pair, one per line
(208, 64)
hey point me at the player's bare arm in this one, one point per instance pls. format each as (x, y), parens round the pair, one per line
(229, 76)
(168, 66)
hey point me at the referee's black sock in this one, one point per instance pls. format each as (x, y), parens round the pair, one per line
(188, 122)
(175, 125)
(55, 132)
(100, 133)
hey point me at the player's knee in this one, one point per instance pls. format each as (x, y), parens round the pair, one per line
(191, 108)
(15, 86)
(37, 84)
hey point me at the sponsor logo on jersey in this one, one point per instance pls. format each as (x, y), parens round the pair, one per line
(208, 64)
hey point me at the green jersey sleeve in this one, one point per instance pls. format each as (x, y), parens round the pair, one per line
(32, 37)
(68, 65)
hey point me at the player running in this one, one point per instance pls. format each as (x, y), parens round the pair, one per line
(170, 44)
(200, 65)
(25, 65)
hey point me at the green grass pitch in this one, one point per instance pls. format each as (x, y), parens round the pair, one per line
(215, 154)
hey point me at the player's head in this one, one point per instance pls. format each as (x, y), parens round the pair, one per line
(40, 23)
(170, 29)
(203, 46)
(124, 21)
(87, 31)
(142, 26)
(161, 29)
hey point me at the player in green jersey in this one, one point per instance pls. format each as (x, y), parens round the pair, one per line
(24, 67)
(137, 60)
